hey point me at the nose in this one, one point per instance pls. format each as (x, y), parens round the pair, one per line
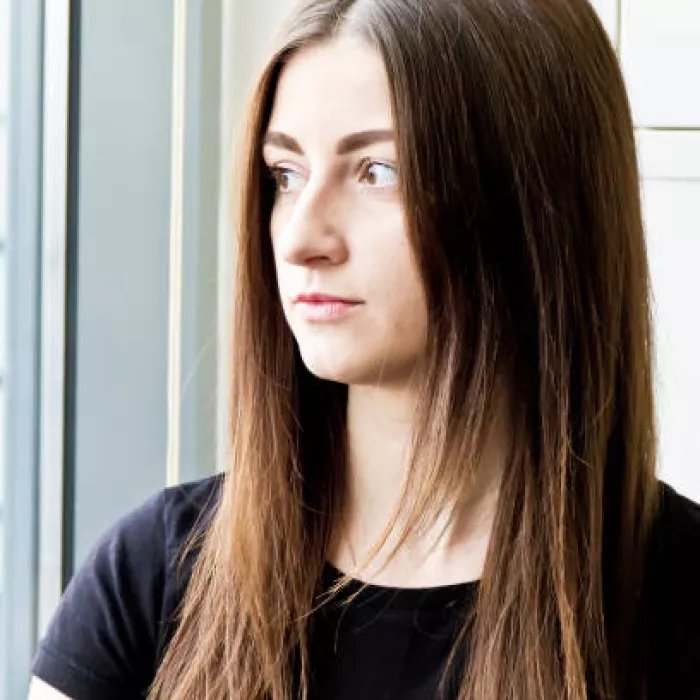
(310, 231)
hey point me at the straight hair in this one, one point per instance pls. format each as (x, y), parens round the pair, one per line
(520, 183)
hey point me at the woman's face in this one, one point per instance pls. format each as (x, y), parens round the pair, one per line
(338, 225)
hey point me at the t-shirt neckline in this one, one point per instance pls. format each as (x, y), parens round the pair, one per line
(391, 597)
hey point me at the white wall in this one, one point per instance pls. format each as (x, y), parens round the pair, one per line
(660, 43)
(660, 52)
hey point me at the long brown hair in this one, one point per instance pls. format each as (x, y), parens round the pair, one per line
(521, 189)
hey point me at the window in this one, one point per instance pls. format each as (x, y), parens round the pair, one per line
(20, 133)
(4, 118)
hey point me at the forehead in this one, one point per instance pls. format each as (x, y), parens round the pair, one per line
(338, 86)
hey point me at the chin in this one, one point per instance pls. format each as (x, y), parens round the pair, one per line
(342, 373)
(342, 367)
(357, 371)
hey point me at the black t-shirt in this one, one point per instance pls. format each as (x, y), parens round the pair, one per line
(116, 617)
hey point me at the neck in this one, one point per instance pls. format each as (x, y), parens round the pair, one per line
(379, 434)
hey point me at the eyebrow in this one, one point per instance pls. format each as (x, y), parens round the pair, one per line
(348, 144)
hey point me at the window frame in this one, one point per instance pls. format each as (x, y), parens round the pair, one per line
(20, 517)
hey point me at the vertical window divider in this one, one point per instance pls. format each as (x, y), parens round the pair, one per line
(54, 263)
(178, 137)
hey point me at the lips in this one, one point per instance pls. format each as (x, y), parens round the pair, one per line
(325, 308)
(323, 299)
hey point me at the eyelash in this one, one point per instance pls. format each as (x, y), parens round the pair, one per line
(367, 163)
(277, 171)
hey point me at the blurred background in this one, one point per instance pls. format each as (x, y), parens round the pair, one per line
(116, 124)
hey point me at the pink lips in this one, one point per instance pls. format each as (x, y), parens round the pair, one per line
(324, 307)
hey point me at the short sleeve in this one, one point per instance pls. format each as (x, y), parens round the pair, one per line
(102, 641)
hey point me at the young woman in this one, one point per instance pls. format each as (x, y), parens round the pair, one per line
(442, 402)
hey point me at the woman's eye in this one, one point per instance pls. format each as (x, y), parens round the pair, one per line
(377, 174)
(286, 179)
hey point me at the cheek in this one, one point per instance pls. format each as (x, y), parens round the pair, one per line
(409, 313)
(277, 223)
(392, 266)
(397, 289)
(278, 218)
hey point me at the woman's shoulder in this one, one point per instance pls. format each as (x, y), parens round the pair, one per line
(675, 543)
(167, 518)
(673, 596)
(189, 506)
(673, 568)
(117, 613)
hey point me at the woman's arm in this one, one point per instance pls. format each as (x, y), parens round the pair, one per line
(101, 641)
(38, 690)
